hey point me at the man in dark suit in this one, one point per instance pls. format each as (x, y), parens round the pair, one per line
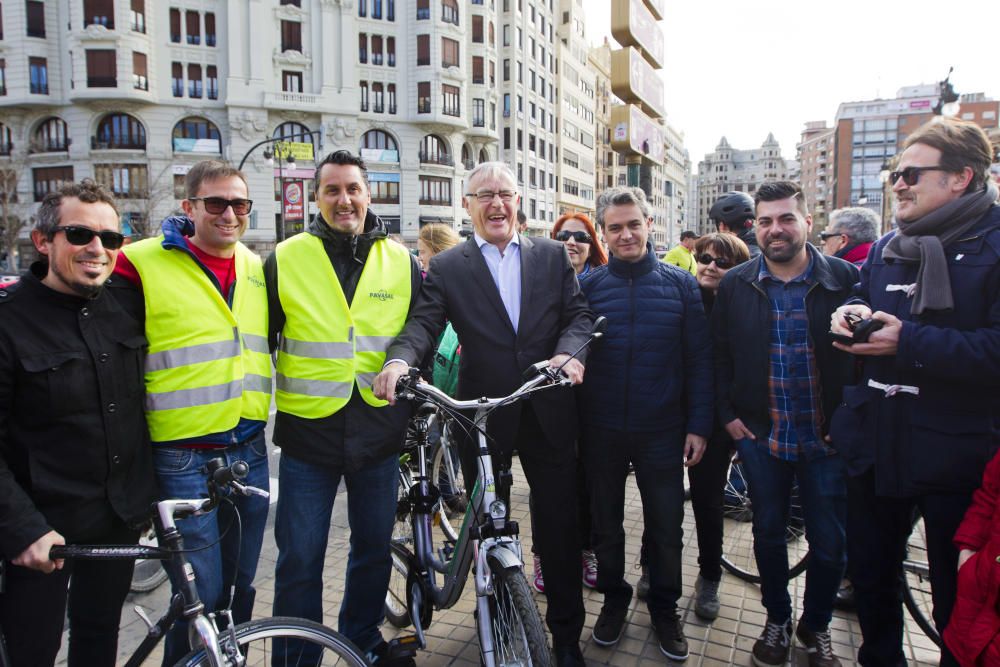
(513, 301)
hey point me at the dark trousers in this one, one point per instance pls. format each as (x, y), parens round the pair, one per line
(582, 509)
(551, 474)
(34, 604)
(658, 459)
(708, 482)
(877, 531)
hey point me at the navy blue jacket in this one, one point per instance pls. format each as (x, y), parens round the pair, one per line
(940, 440)
(652, 371)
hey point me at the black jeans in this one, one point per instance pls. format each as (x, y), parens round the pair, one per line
(33, 606)
(658, 459)
(877, 531)
(708, 482)
(582, 508)
(551, 473)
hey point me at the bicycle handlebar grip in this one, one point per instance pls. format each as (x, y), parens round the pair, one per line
(227, 474)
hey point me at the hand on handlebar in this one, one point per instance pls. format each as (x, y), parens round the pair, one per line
(572, 370)
(384, 385)
(36, 556)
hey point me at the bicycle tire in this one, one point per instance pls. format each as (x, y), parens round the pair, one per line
(447, 477)
(737, 546)
(917, 584)
(401, 550)
(328, 647)
(516, 625)
(148, 574)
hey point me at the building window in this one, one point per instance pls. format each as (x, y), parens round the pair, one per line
(451, 102)
(196, 135)
(209, 29)
(390, 10)
(449, 11)
(493, 36)
(137, 16)
(38, 74)
(424, 97)
(99, 12)
(291, 36)
(127, 181)
(36, 18)
(376, 49)
(435, 191)
(175, 26)
(378, 140)
(177, 79)
(390, 51)
(477, 28)
(384, 192)
(506, 69)
(295, 3)
(51, 136)
(6, 144)
(212, 82)
(3, 76)
(50, 179)
(194, 80)
(493, 73)
(376, 9)
(193, 22)
(291, 82)
(449, 52)
(120, 130)
(364, 96)
(362, 47)
(423, 49)
(423, 9)
(378, 97)
(477, 69)
(478, 113)
(391, 89)
(140, 78)
(362, 8)
(433, 149)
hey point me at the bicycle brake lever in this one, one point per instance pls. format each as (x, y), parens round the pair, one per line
(247, 490)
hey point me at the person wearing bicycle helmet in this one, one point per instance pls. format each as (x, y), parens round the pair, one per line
(733, 213)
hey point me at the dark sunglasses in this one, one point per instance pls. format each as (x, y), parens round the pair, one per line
(911, 174)
(723, 264)
(579, 237)
(827, 235)
(218, 205)
(84, 235)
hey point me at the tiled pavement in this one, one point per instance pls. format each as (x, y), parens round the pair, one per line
(452, 637)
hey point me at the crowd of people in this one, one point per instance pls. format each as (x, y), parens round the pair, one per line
(865, 369)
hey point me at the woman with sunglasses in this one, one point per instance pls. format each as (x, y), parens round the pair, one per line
(577, 233)
(716, 254)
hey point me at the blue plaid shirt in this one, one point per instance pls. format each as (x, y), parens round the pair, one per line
(793, 381)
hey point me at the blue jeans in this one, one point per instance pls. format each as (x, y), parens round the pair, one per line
(302, 527)
(229, 558)
(823, 491)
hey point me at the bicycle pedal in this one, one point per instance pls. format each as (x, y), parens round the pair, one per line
(403, 647)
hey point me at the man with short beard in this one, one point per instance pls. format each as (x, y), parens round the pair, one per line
(75, 463)
(777, 383)
(919, 428)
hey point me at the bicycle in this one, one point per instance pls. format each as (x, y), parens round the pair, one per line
(509, 625)
(148, 574)
(231, 646)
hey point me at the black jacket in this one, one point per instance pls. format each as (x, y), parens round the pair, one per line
(74, 449)
(358, 434)
(741, 324)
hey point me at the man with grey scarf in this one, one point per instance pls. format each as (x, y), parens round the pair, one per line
(337, 294)
(919, 428)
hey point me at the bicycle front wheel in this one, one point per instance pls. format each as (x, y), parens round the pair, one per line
(737, 545)
(148, 574)
(283, 641)
(396, 610)
(917, 582)
(516, 626)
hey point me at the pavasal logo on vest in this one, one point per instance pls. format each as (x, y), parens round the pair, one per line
(255, 281)
(381, 295)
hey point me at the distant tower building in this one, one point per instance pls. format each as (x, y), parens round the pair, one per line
(816, 159)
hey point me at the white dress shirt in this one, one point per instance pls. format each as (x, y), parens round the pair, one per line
(506, 271)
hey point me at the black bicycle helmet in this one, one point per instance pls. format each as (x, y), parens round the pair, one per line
(734, 209)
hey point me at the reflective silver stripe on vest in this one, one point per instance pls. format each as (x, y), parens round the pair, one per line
(188, 398)
(193, 354)
(259, 383)
(373, 343)
(301, 348)
(320, 388)
(366, 380)
(256, 343)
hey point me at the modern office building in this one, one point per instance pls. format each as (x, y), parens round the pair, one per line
(816, 157)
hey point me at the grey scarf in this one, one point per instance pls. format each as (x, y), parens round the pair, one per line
(923, 242)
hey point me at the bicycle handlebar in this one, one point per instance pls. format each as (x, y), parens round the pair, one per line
(410, 384)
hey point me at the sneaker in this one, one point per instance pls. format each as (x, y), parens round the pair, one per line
(771, 649)
(706, 602)
(610, 625)
(642, 588)
(670, 633)
(818, 646)
(589, 569)
(398, 653)
(538, 582)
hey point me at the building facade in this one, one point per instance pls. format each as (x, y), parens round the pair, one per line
(815, 156)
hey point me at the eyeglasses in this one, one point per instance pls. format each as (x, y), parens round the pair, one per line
(486, 196)
(721, 263)
(218, 205)
(565, 235)
(826, 235)
(84, 235)
(911, 174)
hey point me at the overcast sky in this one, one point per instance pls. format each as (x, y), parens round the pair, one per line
(741, 69)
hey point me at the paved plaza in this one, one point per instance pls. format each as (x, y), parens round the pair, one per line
(452, 636)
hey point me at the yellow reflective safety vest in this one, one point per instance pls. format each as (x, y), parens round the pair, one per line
(327, 345)
(208, 364)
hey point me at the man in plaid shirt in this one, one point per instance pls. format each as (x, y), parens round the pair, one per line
(778, 380)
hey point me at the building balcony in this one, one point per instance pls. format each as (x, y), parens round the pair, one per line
(116, 145)
(292, 101)
(87, 93)
(445, 160)
(49, 146)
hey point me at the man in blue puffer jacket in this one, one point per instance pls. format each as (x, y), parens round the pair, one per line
(647, 399)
